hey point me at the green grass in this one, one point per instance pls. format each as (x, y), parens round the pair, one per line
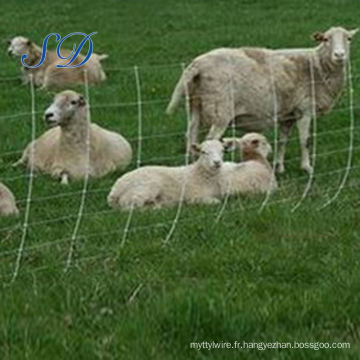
(274, 276)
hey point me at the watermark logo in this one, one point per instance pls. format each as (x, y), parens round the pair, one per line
(75, 51)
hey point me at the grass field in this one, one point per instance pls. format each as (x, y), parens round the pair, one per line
(271, 276)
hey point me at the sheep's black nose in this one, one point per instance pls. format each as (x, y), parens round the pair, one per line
(48, 116)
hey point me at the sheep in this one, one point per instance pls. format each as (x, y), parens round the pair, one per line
(62, 150)
(47, 75)
(254, 174)
(157, 186)
(7, 202)
(238, 84)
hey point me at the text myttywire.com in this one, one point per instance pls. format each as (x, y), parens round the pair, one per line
(243, 345)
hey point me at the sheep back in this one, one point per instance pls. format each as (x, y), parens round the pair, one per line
(7, 202)
(109, 151)
(249, 177)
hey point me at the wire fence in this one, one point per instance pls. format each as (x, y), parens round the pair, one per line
(291, 187)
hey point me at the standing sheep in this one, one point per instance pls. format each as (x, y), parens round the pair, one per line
(236, 84)
(7, 202)
(254, 174)
(62, 150)
(47, 75)
(156, 186)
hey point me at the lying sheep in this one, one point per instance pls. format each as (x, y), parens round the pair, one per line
(47, 75)
(236, 84)
(62, 150)
(7, 202)
(156, 186)
(254, 174)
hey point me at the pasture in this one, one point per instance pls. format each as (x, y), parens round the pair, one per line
(275, 275)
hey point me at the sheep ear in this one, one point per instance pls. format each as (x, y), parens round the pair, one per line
(353, 32)
(229, 144)
(318, 36)
(82, 101)
(195, 148)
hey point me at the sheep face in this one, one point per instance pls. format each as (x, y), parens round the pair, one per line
(249, 143)
(18, 46)
(336, 43)
(255, 143)
(63, 109)
(211, 153)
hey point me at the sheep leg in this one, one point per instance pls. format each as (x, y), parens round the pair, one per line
(44, 82)
(21, 161)
(25, 78)
(18, 163)
(207, 201)
(193, 130)
(304, 132)
(216, 131)
(285, 131)
(64, 178)
(211, 201)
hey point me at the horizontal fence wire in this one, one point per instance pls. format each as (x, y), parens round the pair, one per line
(288, 184)
(142, 104)
(115, 251)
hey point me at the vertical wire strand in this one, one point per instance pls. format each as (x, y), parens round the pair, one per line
(314, 135)
(183, 187)
(139, 106)
(276, 127)
(188, 115)
(139, 149)
(351, 137)
(233, 128)
(30, 186)
(86, 180)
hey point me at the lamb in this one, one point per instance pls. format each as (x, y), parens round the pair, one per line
(157, 186)
(47, 75)
(62, 150)
(254, 175)
(7, 202)
(236, 84)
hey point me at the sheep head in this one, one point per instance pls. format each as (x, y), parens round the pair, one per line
(19, 45)
(211, 153)
(64, 108)
(336, 43)
(251, 143)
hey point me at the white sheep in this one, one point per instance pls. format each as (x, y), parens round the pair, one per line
(7, 202)
(47, 75)
(254, 174)
(156, 186)
(62, 150)
(236, 84)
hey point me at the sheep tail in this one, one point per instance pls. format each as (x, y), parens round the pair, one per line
(186, 80)
(102, 57)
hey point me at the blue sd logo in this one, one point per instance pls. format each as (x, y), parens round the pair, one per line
(75, 52)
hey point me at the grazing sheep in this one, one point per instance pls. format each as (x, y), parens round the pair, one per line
(7, 202)
(254, 174)
(236, 84)
(156, 186)
(62, 150)
(47, 75)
